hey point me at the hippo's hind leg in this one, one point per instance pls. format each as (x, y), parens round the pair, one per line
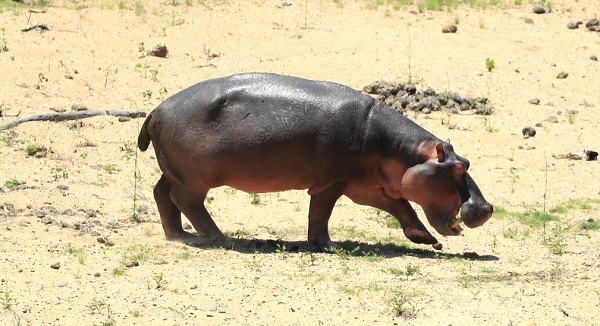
(321, 205)
(191, 203)
(170, 215)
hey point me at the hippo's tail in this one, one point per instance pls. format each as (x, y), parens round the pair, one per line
(144, 137)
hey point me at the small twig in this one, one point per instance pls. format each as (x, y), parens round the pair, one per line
(72, 116)
(36, 11)
(36, 90)
(205, 66)
(41, 27)
(12, 114)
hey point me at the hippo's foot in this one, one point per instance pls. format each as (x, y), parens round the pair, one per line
(190, 238)
(324, 246)
(419, 235)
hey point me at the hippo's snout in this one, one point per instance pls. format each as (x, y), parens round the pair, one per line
(476, 212)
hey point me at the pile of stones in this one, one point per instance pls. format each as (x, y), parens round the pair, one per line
(405, 97)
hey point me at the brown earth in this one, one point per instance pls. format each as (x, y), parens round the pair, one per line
(484, 277)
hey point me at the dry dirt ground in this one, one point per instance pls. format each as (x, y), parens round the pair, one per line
(84, 187)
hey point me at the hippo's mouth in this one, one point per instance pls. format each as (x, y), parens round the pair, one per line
(454, 223)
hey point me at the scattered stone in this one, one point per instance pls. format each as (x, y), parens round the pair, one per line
(221, 311)
(528, 132)
(437, 246)
(159, 51)
(124, 119)
(552, 119)
(40, 214)
(76, 226)
(539, 124)
(90, 213)
(593, 57)
(535, 101)
(64, 225)
(449, 28)
(286, 3)
(130, 264)
(55, 265)
(574, 25)
(68, 212)
(193, 287)
(97, 274)
(62, 187)
(187, 226)
(67, 76)
(78, 107)
(210, 314)
(591, 23)
(528, 21)
(562, 75)
(47, 220)
(143, 209)
(539, 10)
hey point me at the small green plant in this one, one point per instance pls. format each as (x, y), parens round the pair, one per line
(466, 280)
(254, 264)
(154, 73)
(148, 94)
(135, 313)
(9, 137)
(32, 149)
(138, 9)
(556, 269)
(457, 19)
(58, 173)
(162, 91)
(238, 233)
(11, 184)
(255, 198)
(281, 249)
(6, 300)
(514, 177)
(110, 168)
(129, 148)
(159, 280)
(139, 65)
(571, 115)
(41, 79)
(489, 64)
(587, 225)
(118, 271)
(481, 23)
(3, 44)
(494, 243)
(103, 309)
(487, 124)
(401, 304)
(510, 233)
(181, 311)
(488, 270)
(412, 270)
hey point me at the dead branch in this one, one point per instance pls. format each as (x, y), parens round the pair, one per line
(72, 116)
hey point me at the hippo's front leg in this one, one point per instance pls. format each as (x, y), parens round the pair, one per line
(413, 229)
(321, 205)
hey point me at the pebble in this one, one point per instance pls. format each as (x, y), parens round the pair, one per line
(591, 23)
(55, 265)
(124, 119)
(210, 314)
(133, 263)
(68, 77)
(528, 132)
(97, 274)
(593, 57)
(574, 25)
(552, 119)
(78, 107)
(62, 187)
(534, 101)
(437, 246)
(528, 21)
(539, 10)
(187, 226)
(160, 51)
(449, 28)
(562, 75)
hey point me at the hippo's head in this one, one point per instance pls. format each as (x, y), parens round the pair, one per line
(442, 186)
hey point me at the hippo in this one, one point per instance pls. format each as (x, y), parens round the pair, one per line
(261, 132)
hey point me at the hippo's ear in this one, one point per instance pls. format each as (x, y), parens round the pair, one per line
(440, 152)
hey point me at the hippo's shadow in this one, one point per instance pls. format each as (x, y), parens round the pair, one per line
(348, 248)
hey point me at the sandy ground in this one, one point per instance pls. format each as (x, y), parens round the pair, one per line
(503, 270)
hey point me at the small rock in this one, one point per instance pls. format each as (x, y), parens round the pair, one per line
(101, 240)
(62, 187)
(528, 21)
(124, 119)
(539, 10)
(552, 119)
(64, 224)
(68, 76)
(528, 132)
(187, 226)
(592, 22)
(76, 226)
(437, 246)
(40, 214)
(449, 28)
(130, 264)
(573, 25)
(75, 71)
(221, 311)
(78, 107)
(410, 89)
(55, 265)
(562, 75)
(210, 314)
(593, 57)
(97, 274)
(46, 220)
(159, 51)
(539, 124)
(534, 101)
(143, 209)
(286, 3)
(68, 212)
(193, 287)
